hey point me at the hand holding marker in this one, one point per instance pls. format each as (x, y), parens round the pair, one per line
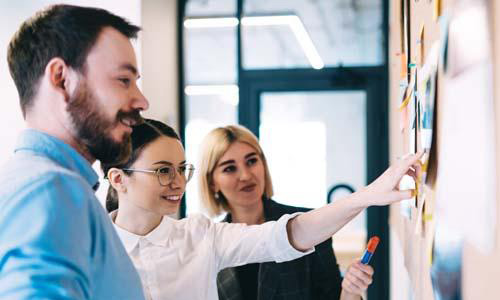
(370, 249)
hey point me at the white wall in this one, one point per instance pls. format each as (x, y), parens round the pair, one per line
(160, 59)
(156, 50)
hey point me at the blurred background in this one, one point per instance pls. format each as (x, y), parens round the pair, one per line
(309, 77)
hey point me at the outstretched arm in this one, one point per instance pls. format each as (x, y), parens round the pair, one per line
(311, 228)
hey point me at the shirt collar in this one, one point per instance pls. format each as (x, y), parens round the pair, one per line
(157, 237)
(58, 151)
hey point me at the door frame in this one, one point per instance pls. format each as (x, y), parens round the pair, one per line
(373, 81)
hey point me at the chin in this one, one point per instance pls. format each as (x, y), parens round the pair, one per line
(119, 137)
(169, 210)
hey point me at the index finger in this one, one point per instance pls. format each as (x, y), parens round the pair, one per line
(366, 268)
(410, 160)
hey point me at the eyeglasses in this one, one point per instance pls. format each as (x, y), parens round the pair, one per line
(166, 174)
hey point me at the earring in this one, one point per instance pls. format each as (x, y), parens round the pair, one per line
(216, 195)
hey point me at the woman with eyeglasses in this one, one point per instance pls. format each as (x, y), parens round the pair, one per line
(180, 259)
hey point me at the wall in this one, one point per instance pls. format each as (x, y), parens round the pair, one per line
(160, 59)
(156, 50)
(480, 270)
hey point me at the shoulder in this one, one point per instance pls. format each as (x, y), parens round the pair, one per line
(195, 220)
(30, 170)
(44, 187)
(277, 208)
(51, 204)
(196, 226)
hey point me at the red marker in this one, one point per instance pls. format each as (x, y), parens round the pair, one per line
(370, 249)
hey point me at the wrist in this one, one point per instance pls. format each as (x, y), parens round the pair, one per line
(364, 198)
(345, 295)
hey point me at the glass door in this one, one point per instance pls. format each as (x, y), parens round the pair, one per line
(325, 135)
(315, 144)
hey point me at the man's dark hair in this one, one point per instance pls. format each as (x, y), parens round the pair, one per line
(65, 31)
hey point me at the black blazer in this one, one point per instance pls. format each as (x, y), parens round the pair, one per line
(314, 276)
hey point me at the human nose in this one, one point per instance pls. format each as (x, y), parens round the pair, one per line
(140, 102)
(178, 181)
(245, 173)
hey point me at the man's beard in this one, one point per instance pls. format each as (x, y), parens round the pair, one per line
(93, 128)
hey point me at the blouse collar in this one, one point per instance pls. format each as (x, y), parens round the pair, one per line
(157, 236)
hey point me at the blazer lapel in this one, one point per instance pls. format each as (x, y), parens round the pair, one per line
(228, 286)
(227, 280)
(272, 211)
(267, 281)
(267, 271)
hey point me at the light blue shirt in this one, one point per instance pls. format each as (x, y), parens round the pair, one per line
(56, 240)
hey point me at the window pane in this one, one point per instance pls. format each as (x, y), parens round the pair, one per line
(312, 33)
(211, 91)
(210, 50)
(210, 56)
(313, 142)
(205, 8)
(204, 113)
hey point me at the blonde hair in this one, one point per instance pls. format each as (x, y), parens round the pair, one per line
(214, 145)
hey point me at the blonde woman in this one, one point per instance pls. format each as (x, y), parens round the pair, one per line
(235, 179)
(180, 259)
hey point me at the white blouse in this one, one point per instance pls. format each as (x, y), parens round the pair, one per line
(180, 259)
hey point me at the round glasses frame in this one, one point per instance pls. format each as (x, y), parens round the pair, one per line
(166, 174)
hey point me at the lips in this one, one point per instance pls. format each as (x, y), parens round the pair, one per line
(248, 188)
(131, 118)
(174, 198)
(129, 121)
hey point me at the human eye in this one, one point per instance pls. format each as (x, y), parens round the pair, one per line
(165, 170)
(229, 169)
(252, 161)
(182, 169)
(125, 81)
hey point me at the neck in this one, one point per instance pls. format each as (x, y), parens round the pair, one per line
(54, 127)
(253, 215)
(137, 221)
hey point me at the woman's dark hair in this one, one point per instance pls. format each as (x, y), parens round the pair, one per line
(142, 135)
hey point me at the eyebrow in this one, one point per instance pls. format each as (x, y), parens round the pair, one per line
(232, 160)
(164, 162)
(130, 68)
(250, 154)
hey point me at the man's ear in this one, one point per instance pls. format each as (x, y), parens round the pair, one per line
(117, 179)
(60, 76)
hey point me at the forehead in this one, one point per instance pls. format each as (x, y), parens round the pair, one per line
(237, 150)
(163, 148)
(111, 51)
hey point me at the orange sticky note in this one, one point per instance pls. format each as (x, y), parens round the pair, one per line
(404, 66)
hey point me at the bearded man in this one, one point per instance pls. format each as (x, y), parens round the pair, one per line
(76, 72)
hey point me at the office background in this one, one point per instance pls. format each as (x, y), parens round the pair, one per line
(313, 79)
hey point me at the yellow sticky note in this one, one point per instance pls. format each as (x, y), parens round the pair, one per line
(406, 101)
(421, 43)
(437, 9)
(425, 165)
